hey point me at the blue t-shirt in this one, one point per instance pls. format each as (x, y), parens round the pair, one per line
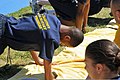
(39, 33)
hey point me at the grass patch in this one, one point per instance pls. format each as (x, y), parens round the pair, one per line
(99, 20)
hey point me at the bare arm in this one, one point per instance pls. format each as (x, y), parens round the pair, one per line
(47, 65)
(48, 71)
(36, 57)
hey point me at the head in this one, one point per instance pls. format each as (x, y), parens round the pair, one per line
(115, 8)
(70, 36)
(102, 57)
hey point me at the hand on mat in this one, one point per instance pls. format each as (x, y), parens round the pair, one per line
(41, 63)
(55, 63)
(33, 62)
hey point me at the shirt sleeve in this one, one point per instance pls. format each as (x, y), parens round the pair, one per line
(47, 49)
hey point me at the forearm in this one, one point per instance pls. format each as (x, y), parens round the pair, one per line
(35, 57)
(48, 71)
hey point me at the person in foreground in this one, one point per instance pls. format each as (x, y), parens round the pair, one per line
(115, 8)
(102, 58)
(42, 32)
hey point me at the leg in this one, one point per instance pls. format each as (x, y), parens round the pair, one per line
(85, 18)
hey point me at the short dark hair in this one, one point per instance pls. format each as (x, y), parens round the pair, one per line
(77, 37)
(105, 52)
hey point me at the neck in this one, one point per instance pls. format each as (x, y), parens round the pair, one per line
(108, 76)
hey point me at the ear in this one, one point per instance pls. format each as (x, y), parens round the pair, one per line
(99, 68)
(67, 38)
(118, 15)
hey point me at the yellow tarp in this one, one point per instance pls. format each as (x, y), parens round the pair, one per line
(71, 60)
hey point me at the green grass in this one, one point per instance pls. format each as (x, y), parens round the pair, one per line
(21, 58)
(99, 20)
(21, 12)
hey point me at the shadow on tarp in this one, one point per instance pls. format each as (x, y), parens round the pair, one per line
(7, 71)
(93, 22)
(25, 76)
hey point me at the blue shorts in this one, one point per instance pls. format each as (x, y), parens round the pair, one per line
(66, 9)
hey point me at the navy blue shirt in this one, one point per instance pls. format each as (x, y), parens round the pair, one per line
(39, 33)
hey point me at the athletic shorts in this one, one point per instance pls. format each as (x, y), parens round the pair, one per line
(66, 9)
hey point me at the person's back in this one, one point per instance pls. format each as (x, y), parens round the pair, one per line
(28, 34)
